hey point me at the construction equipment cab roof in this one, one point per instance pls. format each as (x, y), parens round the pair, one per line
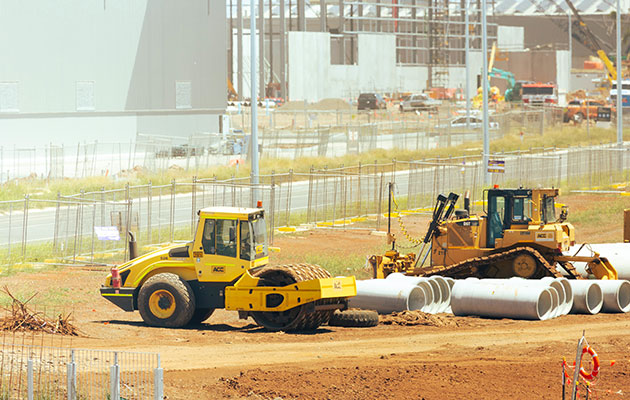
(228, 211)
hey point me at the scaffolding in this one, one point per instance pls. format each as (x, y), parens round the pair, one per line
(428, 32)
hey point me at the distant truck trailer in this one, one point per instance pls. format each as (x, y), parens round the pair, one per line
(538, 94)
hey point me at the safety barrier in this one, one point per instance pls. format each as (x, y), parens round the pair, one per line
(38, 372)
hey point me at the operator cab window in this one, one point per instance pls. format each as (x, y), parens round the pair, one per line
(549, 209)
(522, 212)
(226, 237)
(207, 241)
(246, 241)
(496, 217)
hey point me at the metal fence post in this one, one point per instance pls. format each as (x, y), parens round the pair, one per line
(72, 379)
(380, 202)
(9, 233)
(310, 196)
(394, 170)
(158, 381)
(172, 219)
(114, 379)
(128, 220)
(359, 192)
(80, 220)
(272, 201)
(29, 379)
(289, 194)
(194, 205)
(25, 226)
(149, 211)
(57, 209)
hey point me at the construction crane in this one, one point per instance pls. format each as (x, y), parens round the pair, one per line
(588, 38)
(582, 34)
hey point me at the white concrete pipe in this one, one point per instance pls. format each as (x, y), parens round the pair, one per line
(496, 300)
(387, 296)
(587, 296)
(617, 253)
(433, 304)
(565, 293)
(557, 292)
(616, 296)
(450, 281)
(445, 292)
(568, 292)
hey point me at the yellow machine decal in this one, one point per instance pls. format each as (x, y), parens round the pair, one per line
(218, 269)
(544, 236)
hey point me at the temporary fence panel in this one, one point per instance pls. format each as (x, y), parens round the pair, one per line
(40, 372)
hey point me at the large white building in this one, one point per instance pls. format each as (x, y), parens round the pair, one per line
(77, 70)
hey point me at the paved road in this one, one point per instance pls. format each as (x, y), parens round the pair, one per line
(41, 222)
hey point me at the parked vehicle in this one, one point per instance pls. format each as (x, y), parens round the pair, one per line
(180, 151)
(418, 102)
(371, 101)
(474, 123)
(579, 110)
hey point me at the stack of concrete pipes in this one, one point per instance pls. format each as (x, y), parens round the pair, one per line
(515, 298)
(399, 293)
(538, 299)
(617, 253)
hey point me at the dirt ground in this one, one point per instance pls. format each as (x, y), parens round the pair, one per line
(441, 357)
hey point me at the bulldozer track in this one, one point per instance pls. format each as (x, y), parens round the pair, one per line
(472, 264)
(299, 273)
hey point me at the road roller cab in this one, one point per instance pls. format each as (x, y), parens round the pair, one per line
(225, 266)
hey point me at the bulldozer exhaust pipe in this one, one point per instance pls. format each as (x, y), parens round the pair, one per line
(467, 201)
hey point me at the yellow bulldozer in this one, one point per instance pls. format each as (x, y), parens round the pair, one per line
(225, 266)
(519, 235)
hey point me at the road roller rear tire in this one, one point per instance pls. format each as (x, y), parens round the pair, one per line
(166, 300)
(354, 318)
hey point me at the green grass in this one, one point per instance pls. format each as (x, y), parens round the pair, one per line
(563, 136)
(52, 298)
(601, 215)
(349, 264)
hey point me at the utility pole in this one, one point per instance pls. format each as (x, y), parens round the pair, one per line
(261, 48)
(619, 79)
(484, 84)
(239, 45)
(283, 61)
(254, 105)
(467, 61)
(570, 49)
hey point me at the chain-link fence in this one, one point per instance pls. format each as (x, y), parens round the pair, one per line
(90, 227)
(319, 133)
(42, 372)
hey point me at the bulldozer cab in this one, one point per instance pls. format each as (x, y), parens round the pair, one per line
(507, 207)
(229, 241)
